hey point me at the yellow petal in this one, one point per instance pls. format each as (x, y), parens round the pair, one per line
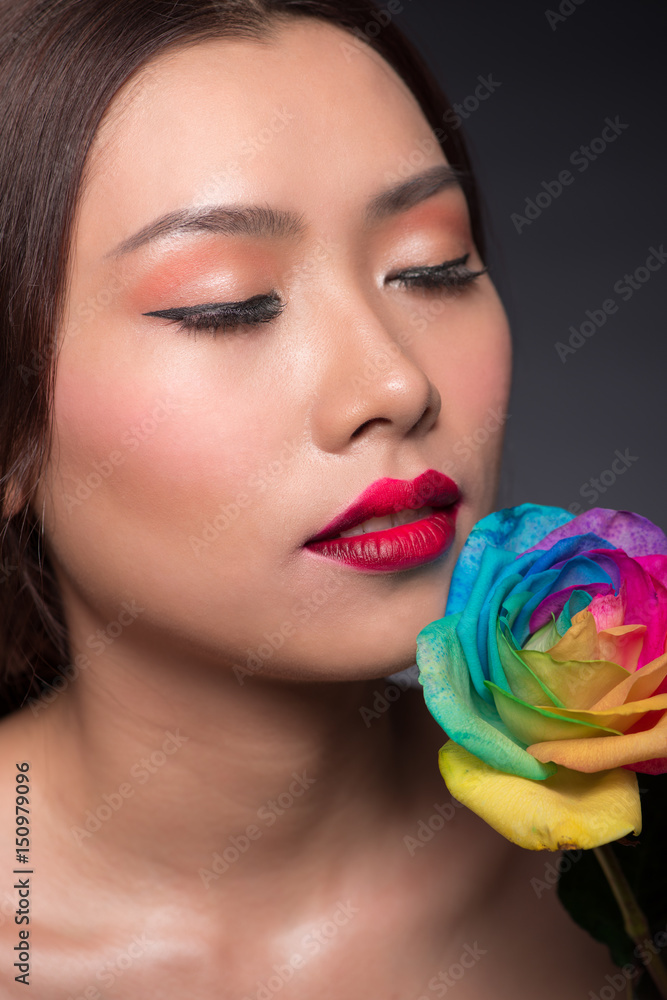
(605, 751)
(569, 810)
(619, 644)
(580, 642)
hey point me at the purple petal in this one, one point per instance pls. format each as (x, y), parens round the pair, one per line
(635, 534)
(554, 603)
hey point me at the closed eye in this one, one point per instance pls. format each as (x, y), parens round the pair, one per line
(225, 316)
(449, 274)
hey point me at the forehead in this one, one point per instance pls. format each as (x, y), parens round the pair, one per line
(307, 117)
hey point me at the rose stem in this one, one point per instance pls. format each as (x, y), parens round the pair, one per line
(636, 924)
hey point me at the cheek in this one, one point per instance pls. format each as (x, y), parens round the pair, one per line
(148, 462)
(473, 376)
(474, 371)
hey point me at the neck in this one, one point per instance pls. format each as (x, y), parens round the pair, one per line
(147, 746)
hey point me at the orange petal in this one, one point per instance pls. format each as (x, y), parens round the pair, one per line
(621, 717)
(605, 752)
(639, 685)
(620, 644)
(580, 642)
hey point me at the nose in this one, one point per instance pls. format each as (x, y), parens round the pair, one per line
(368, 383)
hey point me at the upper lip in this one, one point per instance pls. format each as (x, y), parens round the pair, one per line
(387, 496)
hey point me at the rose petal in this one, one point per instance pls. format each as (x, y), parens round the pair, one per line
(522, 681)
(604, 752)
(608, 610)
(533, 722)
(513, 529)
(569, 810)
(646, 602)
(658, 765)
(545, 637)
(622, 644)
(641, 684)
(656, 566)
(454, 703)
(633, 533)
(573, 564)
(621, 718)
(578, 684)
(580, 642)
(564, 604)
(655, 765)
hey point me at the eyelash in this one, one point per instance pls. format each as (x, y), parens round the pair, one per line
(226, 316)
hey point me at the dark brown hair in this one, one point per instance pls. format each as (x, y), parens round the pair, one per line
(61, 63)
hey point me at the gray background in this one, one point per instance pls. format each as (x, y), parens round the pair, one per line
(557, 86)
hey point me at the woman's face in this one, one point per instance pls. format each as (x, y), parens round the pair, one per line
(189, 467)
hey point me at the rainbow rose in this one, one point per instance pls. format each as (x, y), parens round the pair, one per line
(548, 673)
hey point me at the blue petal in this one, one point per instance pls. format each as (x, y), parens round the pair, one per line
(513, 529)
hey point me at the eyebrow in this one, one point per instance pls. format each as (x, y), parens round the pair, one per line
(270, 223)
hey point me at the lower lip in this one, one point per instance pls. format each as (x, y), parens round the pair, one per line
(403, 547)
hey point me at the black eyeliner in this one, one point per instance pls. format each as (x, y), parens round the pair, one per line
(437, 275)
(258, 309)
(263, 308)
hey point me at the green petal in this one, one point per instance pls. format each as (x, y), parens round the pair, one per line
(455, 704)
(513, 606)
(531, 723)
(522, 681)
(574, 683)
(569, 810)
(544, 638)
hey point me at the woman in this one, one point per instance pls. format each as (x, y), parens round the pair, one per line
(244, 296)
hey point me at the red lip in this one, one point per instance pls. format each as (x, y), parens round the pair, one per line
(394, 548)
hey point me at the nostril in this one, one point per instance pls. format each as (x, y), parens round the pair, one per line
(373, 420)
